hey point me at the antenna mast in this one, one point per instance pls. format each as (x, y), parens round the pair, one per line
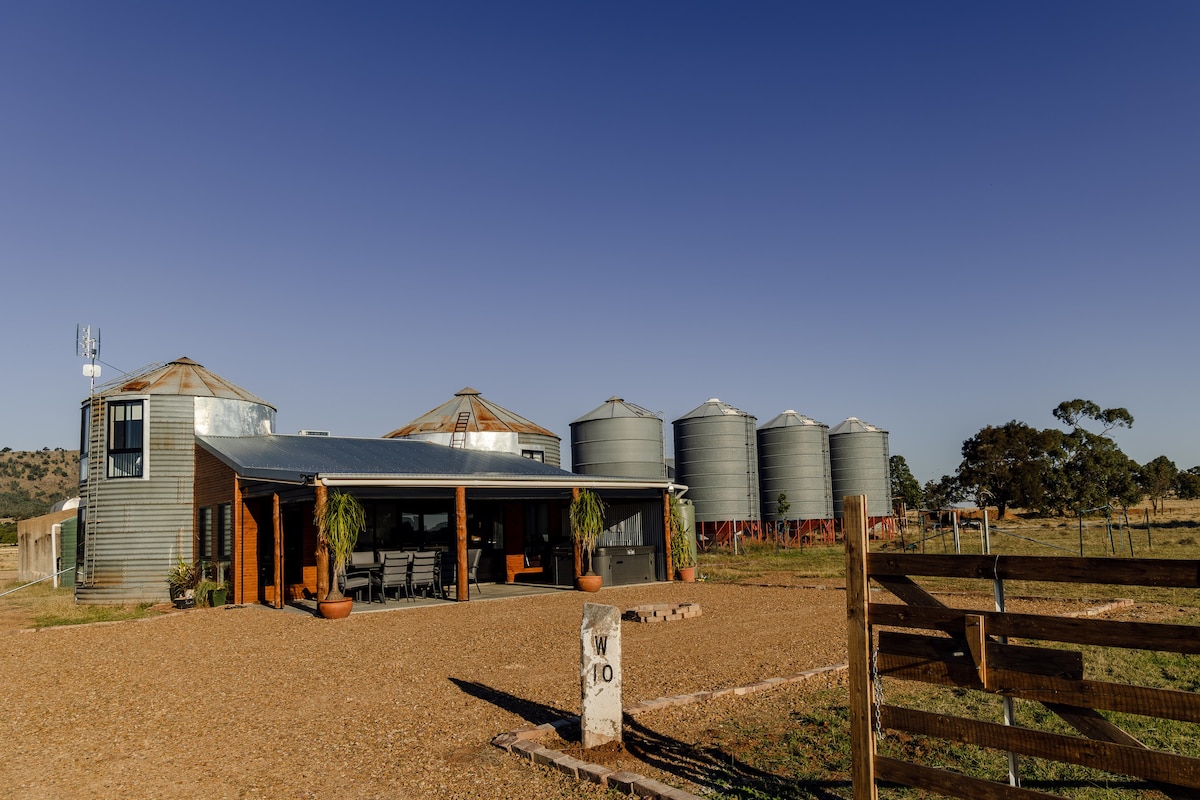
(88, 347)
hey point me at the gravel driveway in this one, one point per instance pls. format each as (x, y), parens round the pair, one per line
(243, 702)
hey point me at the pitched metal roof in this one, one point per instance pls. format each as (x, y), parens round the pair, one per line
(616, 407)
(481, 415)
(179, 377)
(715, 408)
(855, 425)
(789, 419)
(351, 461)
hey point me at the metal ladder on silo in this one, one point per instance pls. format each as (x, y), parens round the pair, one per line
(86, 573)
(459, 437)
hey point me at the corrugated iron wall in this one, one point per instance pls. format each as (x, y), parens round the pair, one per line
(549, 445)
(138, 527)
(637, 525)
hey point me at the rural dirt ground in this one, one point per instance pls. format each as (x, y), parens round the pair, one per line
(243, 702)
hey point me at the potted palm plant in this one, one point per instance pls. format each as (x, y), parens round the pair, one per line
(339, 521)
(587, 523)
(683, 557)
(181, 583)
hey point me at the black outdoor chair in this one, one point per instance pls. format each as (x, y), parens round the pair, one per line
(393, 572)
(422, 573)
(355, 582)
(447, 572)
(473, 556)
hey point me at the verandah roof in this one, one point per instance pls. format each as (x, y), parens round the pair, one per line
(345, 461)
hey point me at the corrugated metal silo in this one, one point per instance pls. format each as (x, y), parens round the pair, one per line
(139, 504)
(471, 422)
(618, 439)
(793, 458)
(716, 457)
(858, 461)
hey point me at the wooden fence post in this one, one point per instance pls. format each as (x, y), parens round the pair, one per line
(858, 640)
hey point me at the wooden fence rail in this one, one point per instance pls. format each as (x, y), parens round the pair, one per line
(922, 639)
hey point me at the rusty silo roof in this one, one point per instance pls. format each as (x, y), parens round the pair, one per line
(182, 377)
(480, 415)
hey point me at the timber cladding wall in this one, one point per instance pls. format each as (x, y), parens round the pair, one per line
(215, 482)
(969, 649)
(216, 486)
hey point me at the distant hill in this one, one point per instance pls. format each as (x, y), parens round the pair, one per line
(32, 481)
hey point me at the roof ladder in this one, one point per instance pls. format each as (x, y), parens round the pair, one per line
(459, 437)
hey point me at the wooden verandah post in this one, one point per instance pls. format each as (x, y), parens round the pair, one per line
(322, 545)
(575, 544)
(462, 589)
(858, 641)
(667, 534)
(277, 533)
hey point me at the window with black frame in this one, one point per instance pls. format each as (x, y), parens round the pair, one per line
(126, 429)
(224, 532)
(204, 534)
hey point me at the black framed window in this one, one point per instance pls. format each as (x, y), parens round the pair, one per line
(224, 531)
(126, 432)
(204, 534)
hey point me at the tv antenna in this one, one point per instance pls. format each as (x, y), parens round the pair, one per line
(88, 347)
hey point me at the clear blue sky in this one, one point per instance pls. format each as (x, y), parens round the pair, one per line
(933, 216)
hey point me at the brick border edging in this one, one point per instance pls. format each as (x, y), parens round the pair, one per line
(523, 742)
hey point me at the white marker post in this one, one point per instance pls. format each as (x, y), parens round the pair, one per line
(600, 674)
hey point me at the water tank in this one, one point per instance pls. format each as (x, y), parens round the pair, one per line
(858, 462)
(716, 457)
(793, 458)
(618, 439)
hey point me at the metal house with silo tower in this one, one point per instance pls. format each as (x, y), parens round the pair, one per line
(858, 461)
(793, 461)
(716, 457)
(471, 422)
(137, 477)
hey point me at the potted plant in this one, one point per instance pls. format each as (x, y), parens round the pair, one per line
(209, 589)
(587, 523)
(181, 584)
(220, 594)
(683, 557)
(339, 521)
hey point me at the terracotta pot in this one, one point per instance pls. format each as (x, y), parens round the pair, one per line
(335, 609)
(686, 574)
(589, 583)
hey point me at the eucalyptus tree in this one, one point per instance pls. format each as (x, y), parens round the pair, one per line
(1158, 479)
(1009, 465)
(1187, 484)
(903, 484)
(943, 492)
(1091, 471)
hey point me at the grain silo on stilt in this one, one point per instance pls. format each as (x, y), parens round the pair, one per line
(793, 459)
(858, 460)
(716, 457)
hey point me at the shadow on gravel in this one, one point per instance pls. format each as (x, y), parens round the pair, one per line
(531, 712)
(708, 767)
(721, 772)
